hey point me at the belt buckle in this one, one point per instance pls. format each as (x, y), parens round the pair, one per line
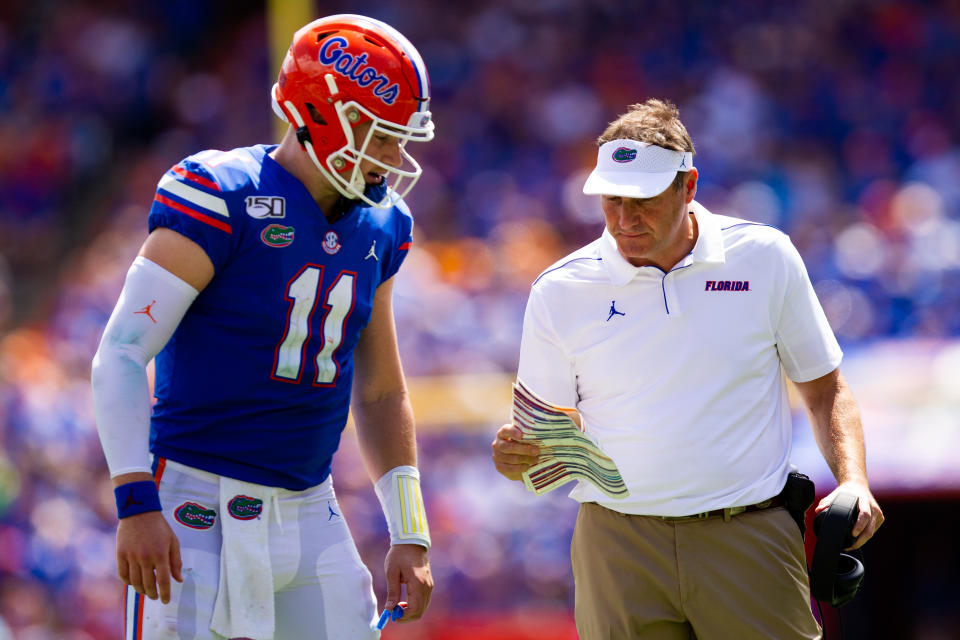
(729, 512)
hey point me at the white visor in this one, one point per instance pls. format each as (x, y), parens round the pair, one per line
(634, 169)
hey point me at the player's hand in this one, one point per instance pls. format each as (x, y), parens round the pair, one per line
(870, 518)
(148, 553)
(407, 564)
(511, 456)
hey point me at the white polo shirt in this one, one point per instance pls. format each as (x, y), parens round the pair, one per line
(677, 375)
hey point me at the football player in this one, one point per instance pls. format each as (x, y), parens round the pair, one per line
(264, 291)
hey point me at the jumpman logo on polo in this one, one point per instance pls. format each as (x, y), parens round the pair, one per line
(146, 311)
(613, 310)
(332, 512)
(373, 252)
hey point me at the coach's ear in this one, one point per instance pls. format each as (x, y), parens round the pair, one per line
(690, 186)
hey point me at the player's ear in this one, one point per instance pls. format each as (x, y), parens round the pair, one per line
(690, 187)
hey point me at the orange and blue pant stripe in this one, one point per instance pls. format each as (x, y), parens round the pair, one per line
(133, 602)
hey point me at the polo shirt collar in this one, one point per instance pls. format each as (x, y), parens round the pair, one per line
(618, 269)
(708, 248)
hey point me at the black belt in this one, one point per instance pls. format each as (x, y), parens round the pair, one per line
(727, 513)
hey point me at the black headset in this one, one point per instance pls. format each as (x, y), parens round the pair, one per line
(835, 577)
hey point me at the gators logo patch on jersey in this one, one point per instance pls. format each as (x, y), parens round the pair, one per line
(244, 507)
(195, 516)
(624, 154)
(277, 235)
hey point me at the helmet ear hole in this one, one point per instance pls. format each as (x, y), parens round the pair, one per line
(315, 114)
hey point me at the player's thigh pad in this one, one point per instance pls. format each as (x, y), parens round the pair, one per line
(329, 592)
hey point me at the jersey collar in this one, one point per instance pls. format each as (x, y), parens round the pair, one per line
(344, 223)
(708, 249)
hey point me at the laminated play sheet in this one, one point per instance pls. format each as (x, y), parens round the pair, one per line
(566, 452)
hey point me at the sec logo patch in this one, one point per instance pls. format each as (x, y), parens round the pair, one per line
(331, 242)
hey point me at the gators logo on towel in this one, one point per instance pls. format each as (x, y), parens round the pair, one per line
(624, 154)
(245, 507)
(195, 516)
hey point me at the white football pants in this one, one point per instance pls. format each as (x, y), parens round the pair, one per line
(322, 590)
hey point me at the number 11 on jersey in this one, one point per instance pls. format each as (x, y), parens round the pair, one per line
(303, 290)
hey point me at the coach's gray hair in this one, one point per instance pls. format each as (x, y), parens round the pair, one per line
(655, 122)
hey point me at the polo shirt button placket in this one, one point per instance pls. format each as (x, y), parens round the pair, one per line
(671, 300)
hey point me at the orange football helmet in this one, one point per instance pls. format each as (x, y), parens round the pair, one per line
(345, 70)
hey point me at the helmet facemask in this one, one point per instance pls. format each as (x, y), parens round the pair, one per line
(343, 165)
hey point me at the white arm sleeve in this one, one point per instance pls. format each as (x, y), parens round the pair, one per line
(151, 305)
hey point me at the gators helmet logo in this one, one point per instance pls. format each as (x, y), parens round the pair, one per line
(624, 154)
(195, 516)
(244, 507)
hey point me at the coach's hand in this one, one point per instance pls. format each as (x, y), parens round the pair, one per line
(511, 456)
(870, 518)
(408, 564)
(148, 553)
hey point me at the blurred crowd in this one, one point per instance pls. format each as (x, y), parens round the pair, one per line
(837, 121)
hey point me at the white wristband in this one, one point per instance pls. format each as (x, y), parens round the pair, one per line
(402, 503)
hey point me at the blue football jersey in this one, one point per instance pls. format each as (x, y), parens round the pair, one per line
(255, 382)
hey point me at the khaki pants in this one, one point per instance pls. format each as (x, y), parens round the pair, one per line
(642, 577)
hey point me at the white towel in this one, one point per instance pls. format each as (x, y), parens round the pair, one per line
(244, 605)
